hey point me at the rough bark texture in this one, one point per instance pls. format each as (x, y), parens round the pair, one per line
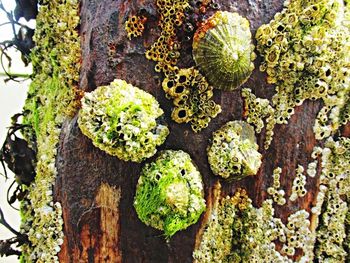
(98, 229)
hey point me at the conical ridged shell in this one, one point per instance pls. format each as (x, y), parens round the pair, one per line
(223, 50)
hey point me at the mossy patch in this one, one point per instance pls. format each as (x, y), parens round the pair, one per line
(169, 193)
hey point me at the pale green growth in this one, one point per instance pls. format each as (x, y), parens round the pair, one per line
(169, 193)
(233, 151)
(191, 96)
(256, 110)
(238, 232)
(298, 187)
(276, 193)
(306, 54)
(223, 50)
(123, 120)
(331, 205)
(55, 59)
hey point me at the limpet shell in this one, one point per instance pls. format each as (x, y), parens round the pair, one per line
(223, 50)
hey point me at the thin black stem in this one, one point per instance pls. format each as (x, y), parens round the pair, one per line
(5, 224)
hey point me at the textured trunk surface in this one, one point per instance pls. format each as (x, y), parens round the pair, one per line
(97, 190)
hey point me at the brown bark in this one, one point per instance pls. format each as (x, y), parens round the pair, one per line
(97, 190)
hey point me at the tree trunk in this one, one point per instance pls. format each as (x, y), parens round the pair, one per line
(97, 190)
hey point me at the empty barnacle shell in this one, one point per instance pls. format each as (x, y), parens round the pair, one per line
(223, 50)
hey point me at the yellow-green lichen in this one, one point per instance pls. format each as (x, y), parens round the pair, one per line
(55, 60)
(223, 50)
(306, 54)
(169, 193)
(123, 120)
(257, 109)
(191, 96)
(233, 151)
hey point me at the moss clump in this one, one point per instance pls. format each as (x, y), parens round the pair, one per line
(223, 50)
(233, 151)
(123, 120)
(169, 193)
(51, 98)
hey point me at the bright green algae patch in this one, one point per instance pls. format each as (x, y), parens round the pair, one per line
(123, 120)
(233, 151)
(169, 193)
(55, 60)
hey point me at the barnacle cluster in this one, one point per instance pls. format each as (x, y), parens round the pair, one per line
(247, 234)
(257, 109)
(305, 50)
(336, 111)
(166, 49)
(223, 50)
(298, 187)
(169, 193)
(135, 25)
(123, 120)
(191, 96)
(224, 229)
(55, 60)
(276, 193)
(189, 90)
(233, 151)
(332, 201)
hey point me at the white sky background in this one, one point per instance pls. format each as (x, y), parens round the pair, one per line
(12, 97)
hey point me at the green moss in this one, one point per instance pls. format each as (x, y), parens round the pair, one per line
(233, 151)
(56, 62)
(123, 120)
(169, 193)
